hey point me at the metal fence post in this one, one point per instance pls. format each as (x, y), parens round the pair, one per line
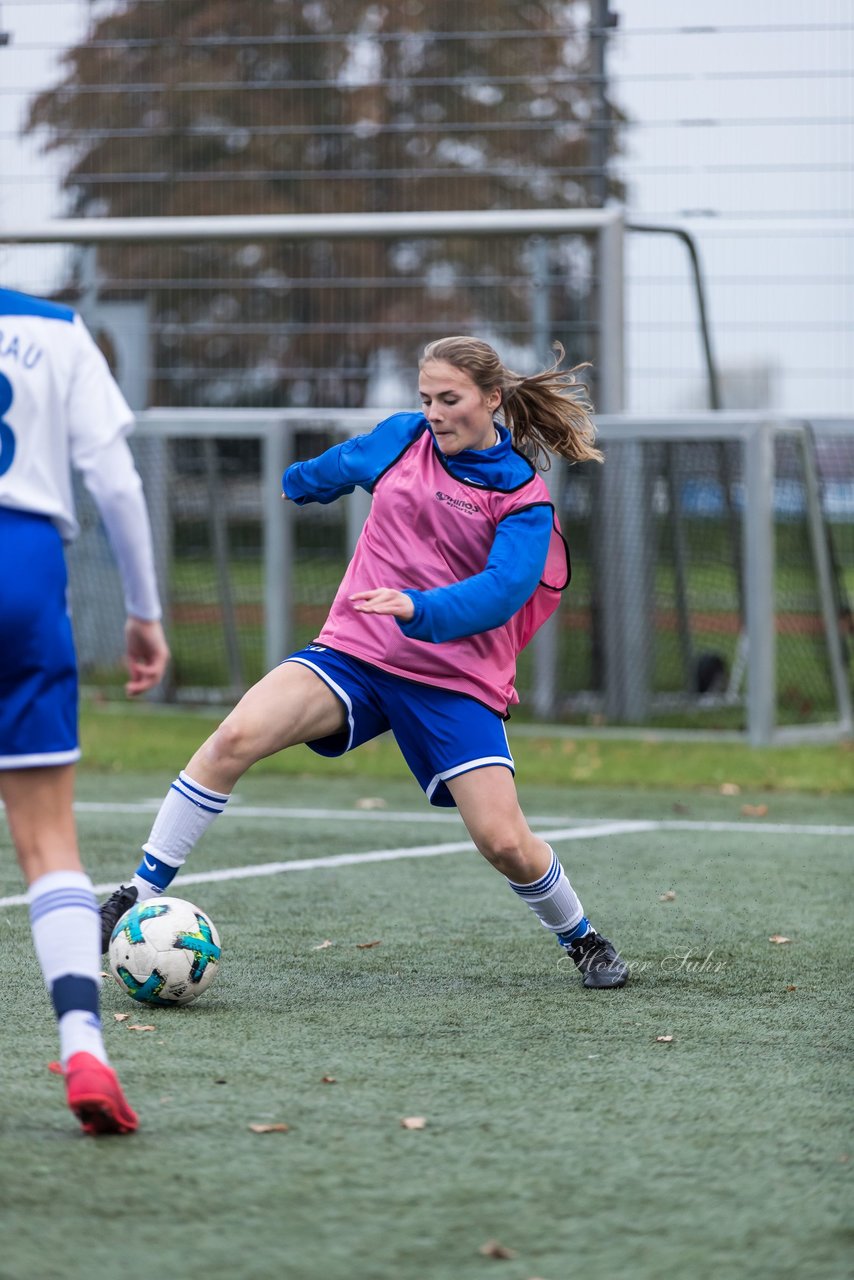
(623, 560)
(357, 505)
(545, 645)
(819, 534)
(758, 526)
(278, 545)
(611, 318)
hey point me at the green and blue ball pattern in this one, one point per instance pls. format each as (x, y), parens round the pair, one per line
(164, 952)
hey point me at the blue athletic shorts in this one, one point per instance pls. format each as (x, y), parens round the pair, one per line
(440, 733)
(38, 666)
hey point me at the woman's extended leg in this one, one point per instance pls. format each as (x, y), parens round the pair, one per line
(489, 806)
(288, 706)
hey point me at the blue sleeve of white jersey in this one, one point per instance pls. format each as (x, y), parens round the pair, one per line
(488, 599)
(358, 461)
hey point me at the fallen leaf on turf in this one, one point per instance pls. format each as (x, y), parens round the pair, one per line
(492, 1249)
(321, 946)
(364, 946)
(371, 802)
(121, 1017)
(328, 1080)
(791, 988)
(664, 1039)
(414, 1122)
(730, 789)
(138, 1026)
(778, 938)
(269, 1128)
(754, 810)
(668, 896)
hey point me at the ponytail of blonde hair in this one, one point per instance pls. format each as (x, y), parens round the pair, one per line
(546, 412)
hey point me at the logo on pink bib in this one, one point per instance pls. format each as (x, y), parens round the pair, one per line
(458, 504)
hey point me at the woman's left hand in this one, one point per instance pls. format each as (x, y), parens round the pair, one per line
(384, 600)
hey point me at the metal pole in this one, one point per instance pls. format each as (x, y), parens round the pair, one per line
(713, 386)
(758, 526)
(611, 318)
(824, 575)
(218, 530)
(712, 378)
(278, 545)
(680, 565)
(321, 226)
(601, 20)
(626, 562)
(596, 306)
(545, 642)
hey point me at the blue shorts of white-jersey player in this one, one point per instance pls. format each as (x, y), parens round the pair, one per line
(38, 669)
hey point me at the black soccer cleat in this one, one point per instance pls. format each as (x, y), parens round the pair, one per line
(599, 961)
(113, 909)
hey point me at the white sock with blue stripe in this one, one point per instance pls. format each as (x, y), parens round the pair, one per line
(555, 903)
(184, 816)
(67, 937)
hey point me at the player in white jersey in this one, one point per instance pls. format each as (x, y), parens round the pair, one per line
(60, 408)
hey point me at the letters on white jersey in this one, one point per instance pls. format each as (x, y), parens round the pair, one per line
(59, 406)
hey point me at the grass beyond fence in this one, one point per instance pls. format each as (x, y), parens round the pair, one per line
(117, 738)
(713, 616)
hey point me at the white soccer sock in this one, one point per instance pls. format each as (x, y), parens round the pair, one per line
(552, 899)
(184, 816)
(80, 1032)
(66, 930)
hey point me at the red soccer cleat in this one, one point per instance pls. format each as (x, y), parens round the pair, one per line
(95, 1096)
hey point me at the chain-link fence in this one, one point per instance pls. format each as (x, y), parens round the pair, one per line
(679, 627)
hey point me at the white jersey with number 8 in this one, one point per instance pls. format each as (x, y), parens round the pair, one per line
(60, 408)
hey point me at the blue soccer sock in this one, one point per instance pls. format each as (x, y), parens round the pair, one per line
(555, 903)
(184, 816)
(581, 930)
(66, 931)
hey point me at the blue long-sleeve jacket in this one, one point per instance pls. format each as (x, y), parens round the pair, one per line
(516, 560)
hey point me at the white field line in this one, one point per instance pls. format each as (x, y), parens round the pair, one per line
(238, 810)
(373, 855)
(430, 814)
(595, 828)
(772, 828)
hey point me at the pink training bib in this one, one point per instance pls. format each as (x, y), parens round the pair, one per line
(427, 529)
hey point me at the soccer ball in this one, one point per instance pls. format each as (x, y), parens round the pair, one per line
(164, 951)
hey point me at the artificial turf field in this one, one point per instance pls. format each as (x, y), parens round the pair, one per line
(557, 1123)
